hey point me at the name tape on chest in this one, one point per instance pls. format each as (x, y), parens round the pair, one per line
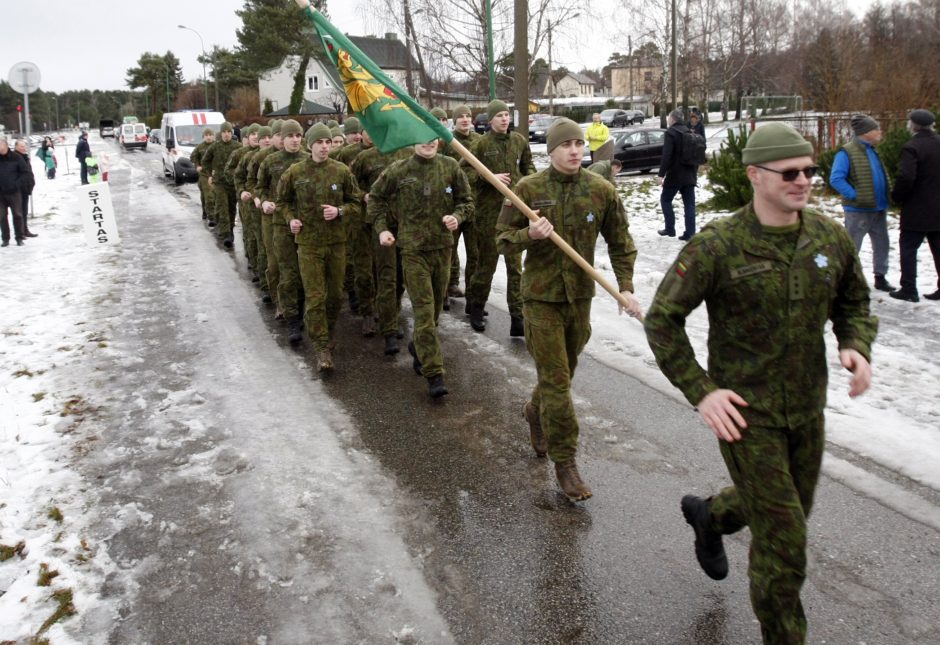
(751, 269)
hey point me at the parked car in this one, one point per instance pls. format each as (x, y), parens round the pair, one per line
(156, 136)
(106, 128)
(133, 135)
(637, 149)
(616, 118)
(538, 129)
(481, 122)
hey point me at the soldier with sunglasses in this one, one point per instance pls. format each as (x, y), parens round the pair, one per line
(771, 275)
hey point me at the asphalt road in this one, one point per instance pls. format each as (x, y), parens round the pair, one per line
(269, 502)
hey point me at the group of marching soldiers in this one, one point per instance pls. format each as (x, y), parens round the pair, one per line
(325, 213)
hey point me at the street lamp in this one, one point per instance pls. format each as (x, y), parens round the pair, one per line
(205, 82)
(551, 78)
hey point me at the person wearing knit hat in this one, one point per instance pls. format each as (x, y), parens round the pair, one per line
(332, 123)
(860, 177)
(237, 169)
(223, 188)
(577, 205)
(249, 212)
(282, 272)
(267, 146)
(507, 155)
(336, 133)
(677, 177)
(917, 190)
(314, 195)
(205, 190)
(352, 126)
(318, 131)
(772, 276)
(466, 136)
(440, 114)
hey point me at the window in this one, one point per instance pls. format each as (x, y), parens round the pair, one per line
(647, 76)
(656, 136)
(313, 82)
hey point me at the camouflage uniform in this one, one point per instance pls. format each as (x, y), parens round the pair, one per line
(205, 190)
(355, 262)
(283, 271)
(500, 153)
(246, 210)
(417, 193)
(321, 244)
(467, 227)
(252, 186)
(223, 188)
(770, 293)
(389, 282)
(557, 293)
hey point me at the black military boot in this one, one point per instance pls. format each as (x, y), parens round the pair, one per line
(536, 436)
(570, 481)
(882, 284)
(391, 345)
(476, 317)
(516, 325)
(266, 297)
(295, 330)
(436, 387)
(415, 363)
(228, 241)
(905, 294)
(446, 305)
(466, 310)
(709, 551)
(211, 223)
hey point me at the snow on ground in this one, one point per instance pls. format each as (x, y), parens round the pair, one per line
(45, 422)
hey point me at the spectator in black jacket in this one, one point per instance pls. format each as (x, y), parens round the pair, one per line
(917, 190)
(696, 125)
(82, 152)
(29, 182)
(677, 177)
(12, 172)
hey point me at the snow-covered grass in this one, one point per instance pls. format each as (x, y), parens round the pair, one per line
(49, 329)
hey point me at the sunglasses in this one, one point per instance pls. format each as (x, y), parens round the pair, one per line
(791, 175)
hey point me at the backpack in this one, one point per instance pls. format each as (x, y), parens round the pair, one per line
(693, 149)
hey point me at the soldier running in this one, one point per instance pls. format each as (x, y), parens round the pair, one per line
(223, 190)
(205, 190)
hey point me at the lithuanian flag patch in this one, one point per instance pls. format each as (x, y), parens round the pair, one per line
(681, 268)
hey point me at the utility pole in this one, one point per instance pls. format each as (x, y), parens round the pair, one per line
(521, 63)
(551, 76)
(491, 64)
(675, 60)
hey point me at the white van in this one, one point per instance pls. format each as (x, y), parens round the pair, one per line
(133, 135)
(182, 131)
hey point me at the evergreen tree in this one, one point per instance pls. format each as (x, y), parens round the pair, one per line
(729, 183)
(160, 76)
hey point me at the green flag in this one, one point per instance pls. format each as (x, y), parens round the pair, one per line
(392, 118)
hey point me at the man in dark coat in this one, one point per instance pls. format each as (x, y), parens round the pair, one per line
(677, 177)
(29, 182)
(82, 152)
(917, 190)
(13, 172)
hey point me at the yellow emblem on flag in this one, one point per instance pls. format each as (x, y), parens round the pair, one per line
(361, 88)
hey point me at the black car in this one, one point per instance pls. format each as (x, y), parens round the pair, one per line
(481, 122)
(638, 148)
(538, 129)
(616, 118)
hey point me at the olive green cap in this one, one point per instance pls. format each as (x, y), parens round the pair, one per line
(290, 126)
(275, 126)
(318, 131)
(775, 141)
(332, 123)
(208, 131)
(439, 113)
(264, 131)
(462, 110)
(562, 130)
(351, 125)
(495, 107)
(254, 127)
(225, 127)
(336, 132)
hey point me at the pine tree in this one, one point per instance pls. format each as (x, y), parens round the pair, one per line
(730, 186)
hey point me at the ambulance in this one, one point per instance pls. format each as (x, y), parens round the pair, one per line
(182, 131)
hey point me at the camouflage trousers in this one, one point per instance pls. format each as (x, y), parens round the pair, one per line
(555, 334)
(470, 248)
(774, 471)
(289, 285)
(322, 268)
(224, 198)
(249, 217)
(426, 276)
(206, 197)
(389, 285)
(268, 269)
(362, 261)
(487, 257)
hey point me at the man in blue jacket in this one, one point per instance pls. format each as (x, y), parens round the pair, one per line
(860, 177)
(82, 152)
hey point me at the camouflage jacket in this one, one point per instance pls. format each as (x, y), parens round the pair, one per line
(308, 186)
(216, 157)
(254, 164)
(269, 174)
(417, 193)
(580, 207)
(466, 140)
(767, 315)
(347, 153)
(500, 153)
(368, 165)
(196, 156)
(235, 167)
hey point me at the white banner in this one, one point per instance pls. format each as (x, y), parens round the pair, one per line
(98, 214)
